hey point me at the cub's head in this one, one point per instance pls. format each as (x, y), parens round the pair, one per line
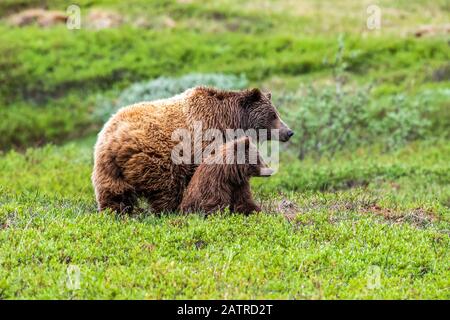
(258, 112)
(248, 158)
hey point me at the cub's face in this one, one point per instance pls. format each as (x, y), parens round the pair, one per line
(254, 165)
(260, 113)
(261, 169)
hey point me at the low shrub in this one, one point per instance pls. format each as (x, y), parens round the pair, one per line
(329, 120)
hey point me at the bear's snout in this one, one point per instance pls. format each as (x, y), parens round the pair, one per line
(285, 133)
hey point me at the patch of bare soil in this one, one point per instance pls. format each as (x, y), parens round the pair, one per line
(418, 217)
(431, 30)
(288, 208)
(96, 18)
(41, 17)
(103, 19)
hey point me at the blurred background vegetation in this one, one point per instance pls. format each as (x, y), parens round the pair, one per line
(393, 82)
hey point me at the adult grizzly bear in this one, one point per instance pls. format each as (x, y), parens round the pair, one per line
(132, 156)
(223, 180)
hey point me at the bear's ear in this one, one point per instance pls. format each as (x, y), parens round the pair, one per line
(249, 97)
(268, 95)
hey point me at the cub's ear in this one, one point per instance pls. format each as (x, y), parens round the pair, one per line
(251, 96)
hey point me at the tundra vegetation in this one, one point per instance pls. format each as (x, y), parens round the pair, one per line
(360, 206)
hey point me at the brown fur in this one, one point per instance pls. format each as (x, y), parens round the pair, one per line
(132, 156)
(220, 185)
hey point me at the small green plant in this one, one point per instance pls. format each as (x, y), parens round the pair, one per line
(165, 87)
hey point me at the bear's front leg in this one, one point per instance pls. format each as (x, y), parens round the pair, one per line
(166, 201)
(242, 201)
(118, 203)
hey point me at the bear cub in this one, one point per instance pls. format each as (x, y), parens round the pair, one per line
(223, 180)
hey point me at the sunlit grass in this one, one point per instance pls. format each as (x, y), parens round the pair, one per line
(308, 244)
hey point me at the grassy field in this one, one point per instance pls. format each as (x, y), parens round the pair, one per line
(325, 245)
(363, 222)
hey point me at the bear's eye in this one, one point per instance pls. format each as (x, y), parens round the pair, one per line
(273, 116)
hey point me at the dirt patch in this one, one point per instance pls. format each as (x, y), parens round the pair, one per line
(96, 19)
(431, 30)
(103, 19)
(418, 217)
(41, 17)
(285, 207)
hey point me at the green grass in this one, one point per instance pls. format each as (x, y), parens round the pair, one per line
(336, 233)
(46, 77)
(362, 224)
(51, 68)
